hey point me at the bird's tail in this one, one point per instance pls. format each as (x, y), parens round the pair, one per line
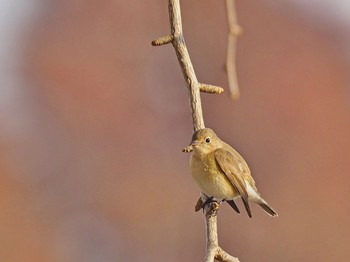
(264, 205)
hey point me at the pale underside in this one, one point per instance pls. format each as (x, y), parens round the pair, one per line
(213, 182)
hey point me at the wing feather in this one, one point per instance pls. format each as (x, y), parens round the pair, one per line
(230, 167)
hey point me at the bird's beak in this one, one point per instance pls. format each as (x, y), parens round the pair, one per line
(195, 143)
(189, 148)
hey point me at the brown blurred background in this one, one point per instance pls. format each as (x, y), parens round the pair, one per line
(93, 119)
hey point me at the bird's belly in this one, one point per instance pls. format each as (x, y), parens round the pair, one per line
(212, 182)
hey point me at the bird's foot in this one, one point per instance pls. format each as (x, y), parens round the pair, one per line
(208, 201)
(200, 205)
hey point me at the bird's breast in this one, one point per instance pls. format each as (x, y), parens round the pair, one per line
(209, 177)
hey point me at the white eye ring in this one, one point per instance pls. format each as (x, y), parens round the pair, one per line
(207, 140)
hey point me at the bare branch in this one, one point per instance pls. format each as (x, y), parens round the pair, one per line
(178, 41)
(211, 212)
(194, 88)
(186, 64)
(234, 31)
(214, 251)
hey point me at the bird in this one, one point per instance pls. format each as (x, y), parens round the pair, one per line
(221, 173)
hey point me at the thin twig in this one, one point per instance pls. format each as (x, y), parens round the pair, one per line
(210, 89)
(194, 87)
(233, 32)
(163, 40)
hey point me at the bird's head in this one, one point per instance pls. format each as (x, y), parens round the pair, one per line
(205, 141)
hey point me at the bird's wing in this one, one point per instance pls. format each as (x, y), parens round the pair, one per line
(230, 167)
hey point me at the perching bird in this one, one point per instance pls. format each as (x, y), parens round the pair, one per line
(221, 173)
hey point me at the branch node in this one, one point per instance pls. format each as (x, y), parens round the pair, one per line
(235, 30)
(221, 255)
(210, 89)
(162, 40)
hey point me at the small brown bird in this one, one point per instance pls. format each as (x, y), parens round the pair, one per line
(221, 173)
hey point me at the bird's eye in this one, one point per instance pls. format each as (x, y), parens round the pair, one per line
(207, 140)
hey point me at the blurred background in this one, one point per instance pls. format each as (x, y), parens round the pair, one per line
(93, 119)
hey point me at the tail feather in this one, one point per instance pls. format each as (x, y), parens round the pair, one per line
(233, 205)
(268, 209)
(247, 207)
